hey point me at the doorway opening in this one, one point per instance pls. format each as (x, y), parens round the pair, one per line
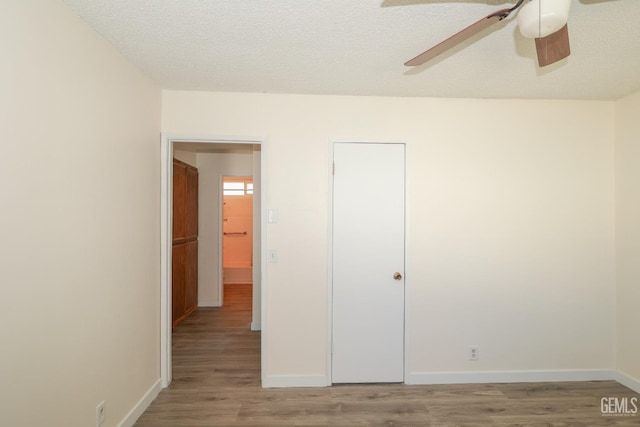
(213, 157)
(237, 230)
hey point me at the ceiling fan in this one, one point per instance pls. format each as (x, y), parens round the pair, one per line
(543, 20)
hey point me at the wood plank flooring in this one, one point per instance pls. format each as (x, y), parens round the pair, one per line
(216, 382)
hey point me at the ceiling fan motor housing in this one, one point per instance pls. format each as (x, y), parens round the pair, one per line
(539, 18)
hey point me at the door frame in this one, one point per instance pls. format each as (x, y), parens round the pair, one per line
(407, 275)
(166, 231)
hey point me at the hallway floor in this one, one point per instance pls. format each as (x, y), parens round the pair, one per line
(216, 382)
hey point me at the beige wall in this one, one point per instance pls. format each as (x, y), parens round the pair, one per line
(510, 224)
(628, 234)
(79, 245)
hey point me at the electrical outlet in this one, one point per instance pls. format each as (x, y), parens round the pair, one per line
(101, 413)
(473, 352)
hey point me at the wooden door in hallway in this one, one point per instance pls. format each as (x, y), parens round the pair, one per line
(368, 263)
(185, 241)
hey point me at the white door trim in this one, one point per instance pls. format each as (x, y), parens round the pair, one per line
(166, 194)
(407, 278)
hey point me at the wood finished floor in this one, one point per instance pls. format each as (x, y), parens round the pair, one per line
(216, 382)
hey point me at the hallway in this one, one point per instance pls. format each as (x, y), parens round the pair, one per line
(216, 364)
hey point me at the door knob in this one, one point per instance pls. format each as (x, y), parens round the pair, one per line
(397, 276)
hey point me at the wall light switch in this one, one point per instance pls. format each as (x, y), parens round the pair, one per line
(272, 255)
(272, 216)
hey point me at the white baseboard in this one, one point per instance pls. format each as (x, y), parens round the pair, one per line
(141, 406)
(509, 376)
(208, 303)
(628, 381)
(256, 326)
(296, 381)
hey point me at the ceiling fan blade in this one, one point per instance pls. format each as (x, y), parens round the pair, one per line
(553, 47)
(459, 37)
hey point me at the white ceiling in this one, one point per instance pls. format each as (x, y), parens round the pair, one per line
(358, 47)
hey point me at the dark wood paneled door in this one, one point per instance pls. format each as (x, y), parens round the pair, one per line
(185, 241)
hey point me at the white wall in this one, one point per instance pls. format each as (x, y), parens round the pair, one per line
(628, 236)
(211, 167)
(510, 222)
(79, 222)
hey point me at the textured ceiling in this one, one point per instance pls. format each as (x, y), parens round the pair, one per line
(359, 47)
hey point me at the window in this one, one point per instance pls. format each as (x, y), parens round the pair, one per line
(233, 186)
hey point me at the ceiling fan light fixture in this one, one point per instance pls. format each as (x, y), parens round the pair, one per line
(540, 18)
